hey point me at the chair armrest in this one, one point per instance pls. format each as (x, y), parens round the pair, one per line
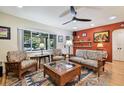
(102, 60)
(12, 62)
(71, 55)
(11, 66)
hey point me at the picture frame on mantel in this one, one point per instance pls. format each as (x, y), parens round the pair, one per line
(84, 34)
(5, 32)
(101, 36)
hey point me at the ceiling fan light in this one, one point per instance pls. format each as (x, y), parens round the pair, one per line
(92, 25)
(20, 6)
(112, 17)
(74, 21)
(74, 27)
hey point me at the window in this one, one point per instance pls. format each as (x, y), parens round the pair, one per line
(52, 41)
(38, 38)
(44, 39)
(32, 40)
(27, 40)
(35, 41)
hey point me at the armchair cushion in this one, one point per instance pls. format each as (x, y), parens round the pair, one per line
(27, 63)
(16, 56)
(57, 52)
(81, 53)
(58, 58)
(76, 59)
(93, 63)
(92, 54)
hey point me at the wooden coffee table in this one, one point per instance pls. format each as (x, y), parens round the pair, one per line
(62, 72)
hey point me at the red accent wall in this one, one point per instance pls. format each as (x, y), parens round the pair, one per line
(90, 32)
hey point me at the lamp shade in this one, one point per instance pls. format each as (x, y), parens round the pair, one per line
(69, 43)
(41, 45)
(99, 45)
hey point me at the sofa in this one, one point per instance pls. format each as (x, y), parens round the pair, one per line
(92, 59)
(18, 62)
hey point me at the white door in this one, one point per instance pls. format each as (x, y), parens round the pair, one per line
(118, 45)
(121, 45)
(115, 45)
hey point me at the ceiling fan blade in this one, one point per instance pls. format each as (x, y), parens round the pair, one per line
(73, 12)
(67, 22)
(80, 7)
(85, 20)
(64, 13)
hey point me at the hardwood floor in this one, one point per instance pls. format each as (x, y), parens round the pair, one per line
(116, 74)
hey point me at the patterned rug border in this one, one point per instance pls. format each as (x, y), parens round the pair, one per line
(27, 79)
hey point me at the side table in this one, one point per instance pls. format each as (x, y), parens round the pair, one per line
(39, 57)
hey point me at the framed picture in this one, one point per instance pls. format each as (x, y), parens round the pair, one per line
(84, 34)
(60, 38)
(68, 37)
(101, 36)
(4, 32)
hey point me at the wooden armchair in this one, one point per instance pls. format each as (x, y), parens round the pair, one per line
(57, 55)
(17, 62)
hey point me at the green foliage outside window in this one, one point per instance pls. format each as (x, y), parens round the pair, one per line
(32, 40)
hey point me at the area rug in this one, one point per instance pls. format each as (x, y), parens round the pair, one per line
(94, 80)
(37, 79)
(88, 78)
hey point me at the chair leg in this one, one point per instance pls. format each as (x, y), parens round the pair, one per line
(36, 67)
(98, 72)
(6, 73)
(103, 69)
(20, 77)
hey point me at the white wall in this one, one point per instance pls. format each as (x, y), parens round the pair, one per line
(14, 23)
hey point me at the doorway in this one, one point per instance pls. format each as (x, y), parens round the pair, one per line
(118, 45)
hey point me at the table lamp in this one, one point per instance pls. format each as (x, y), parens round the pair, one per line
(41, 47)
(69, 44)
(100, 46)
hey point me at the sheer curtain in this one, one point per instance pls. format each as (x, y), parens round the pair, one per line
(20, 40)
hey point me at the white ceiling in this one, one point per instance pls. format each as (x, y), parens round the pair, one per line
(49, 15)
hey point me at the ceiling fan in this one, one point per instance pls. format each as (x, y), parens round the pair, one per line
(74, 13)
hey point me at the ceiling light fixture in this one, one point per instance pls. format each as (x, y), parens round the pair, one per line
(74, 21)
(112, 17)
(92, 25)
(74, 27)
(19, 6)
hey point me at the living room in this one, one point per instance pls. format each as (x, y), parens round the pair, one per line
(61, 46)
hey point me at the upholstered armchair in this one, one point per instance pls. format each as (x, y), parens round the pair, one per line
(57, 55)
(18, 62)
